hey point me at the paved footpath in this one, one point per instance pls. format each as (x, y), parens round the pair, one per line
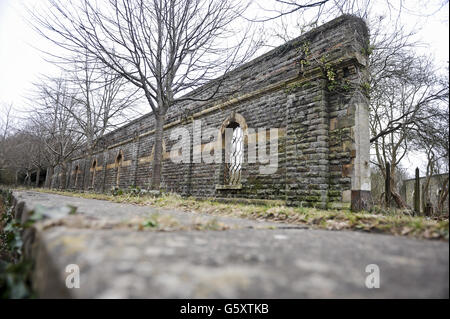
(251, 259)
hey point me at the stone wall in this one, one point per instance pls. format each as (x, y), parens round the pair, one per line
(312, 89)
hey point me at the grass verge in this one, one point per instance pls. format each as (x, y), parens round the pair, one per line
(392, 222)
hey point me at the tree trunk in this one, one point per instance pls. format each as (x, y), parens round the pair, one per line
(387, 187)
(157, 159)
(16, 178)
(87, 171)
(38, 174)
(443, 197)
(395, 195)
(46, 177)
(28, 179)
(50, 177)
(68, 177)
(423, 196)
(426, 192)
(398, 199)
(62, 176)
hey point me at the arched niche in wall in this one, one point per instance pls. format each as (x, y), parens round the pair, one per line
(234, 131)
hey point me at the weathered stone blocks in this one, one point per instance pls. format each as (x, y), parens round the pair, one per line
(322, 153)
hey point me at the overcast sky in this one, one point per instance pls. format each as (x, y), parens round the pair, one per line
(21, 64)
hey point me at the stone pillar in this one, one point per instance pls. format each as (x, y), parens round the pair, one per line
(361, 189)
(417, 192)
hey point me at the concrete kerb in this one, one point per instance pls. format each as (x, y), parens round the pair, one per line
(34, 249)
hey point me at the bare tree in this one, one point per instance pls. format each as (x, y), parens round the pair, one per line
(400, 103)
(432, 137)
(309, 13)
(287, 8)
(5, 130)
(23, 154)
(54, 124)
(103, 100)
(163, 47)
(405, 90)
(287, 19)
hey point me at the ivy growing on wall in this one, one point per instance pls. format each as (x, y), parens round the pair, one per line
(335, 82)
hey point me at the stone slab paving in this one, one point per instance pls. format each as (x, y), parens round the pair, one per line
(241, 262)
